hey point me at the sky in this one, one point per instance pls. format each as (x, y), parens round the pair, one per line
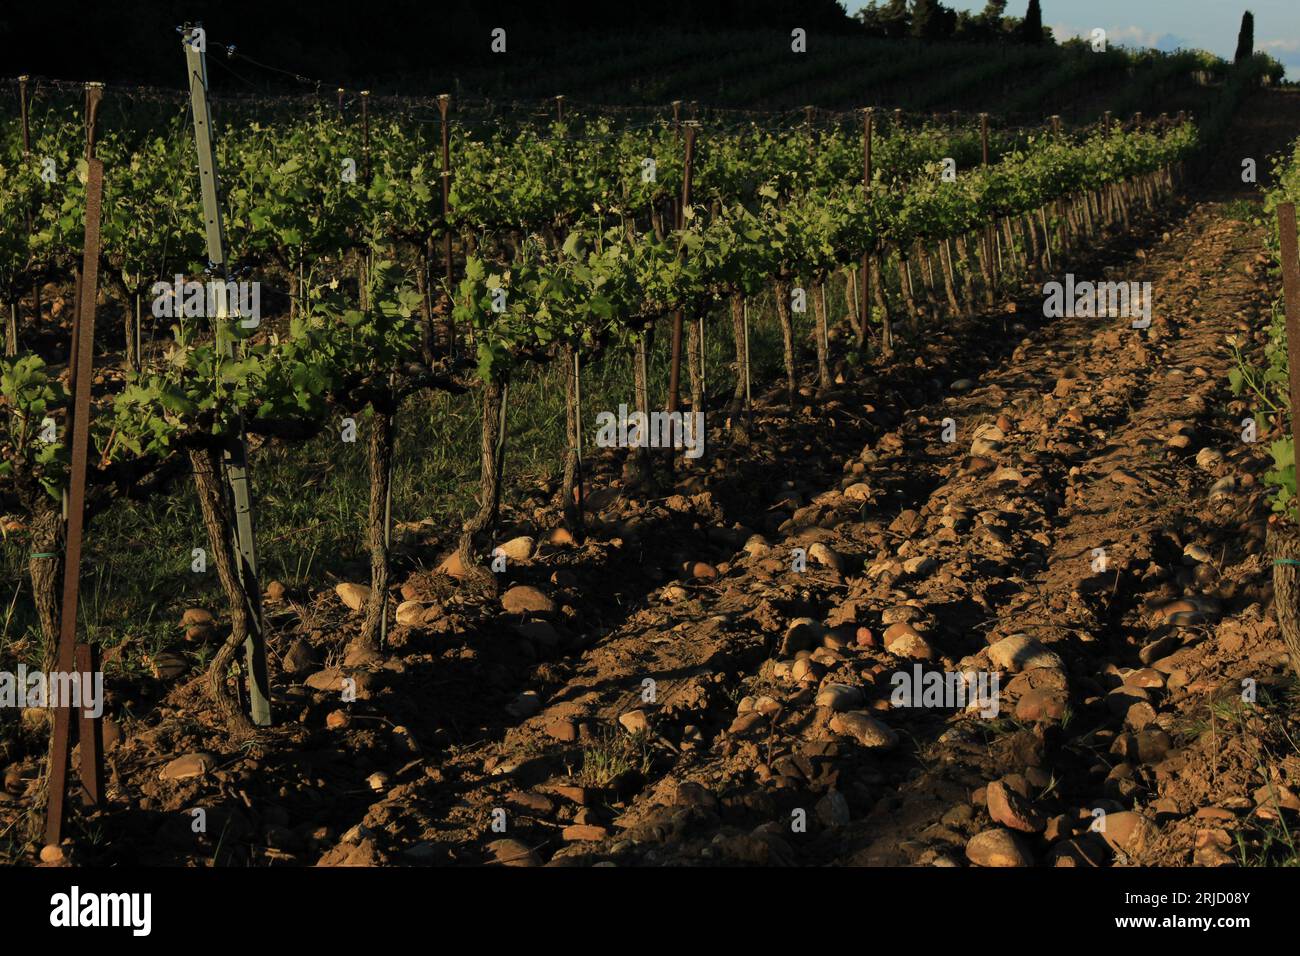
(1168, 24)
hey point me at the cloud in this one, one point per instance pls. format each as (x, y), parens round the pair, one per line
(1127, 35)
(1131, 36)
(1281, 46)
(1169, 42)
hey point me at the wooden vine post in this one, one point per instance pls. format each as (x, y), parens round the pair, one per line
(364, 264)
(22, 113)
(380, 451)
(11, 326)
(235, 454)
(675, 371)
(675, 207)
(817, 289)
(1284, 537)
(580, 503)
(749, 400)
(704, 384)
(444, 100)
(365, 135)
(702, 358)
(78, 659)
(990, 279)
(864, 298)
(391, 426)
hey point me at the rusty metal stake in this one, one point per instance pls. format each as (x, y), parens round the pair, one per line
(864, 299)
(365, 135)
(989, 273)
(444, 100)
(27, 149)
(90, 732)
(577, 433)
(78, 436)
(22, 109)
(1286, 225)
(675, 370)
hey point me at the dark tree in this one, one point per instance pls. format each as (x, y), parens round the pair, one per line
(987, 26)
(1246, 38)
(1031, 30)
(923, 17)
(892, 19)
(931, 20)
(993, 12)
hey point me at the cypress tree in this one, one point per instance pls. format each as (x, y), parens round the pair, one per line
(1246, 38)
(1031, 30)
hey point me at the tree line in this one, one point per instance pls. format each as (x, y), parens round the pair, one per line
(931, 20)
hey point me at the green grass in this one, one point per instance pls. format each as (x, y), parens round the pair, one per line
(1270, 723)
(1242, 210)
(612, 754)
(311, 498)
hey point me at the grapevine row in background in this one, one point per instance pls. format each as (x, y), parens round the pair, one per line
(748, 68)
(571, 244)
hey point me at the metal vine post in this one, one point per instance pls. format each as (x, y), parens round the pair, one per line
(235, 457)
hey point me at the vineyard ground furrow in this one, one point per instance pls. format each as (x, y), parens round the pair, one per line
(709, 655)
(1100, 619)
(497, 675)
(1136, 389)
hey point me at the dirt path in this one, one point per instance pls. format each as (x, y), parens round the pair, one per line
(1109, 530)
(685, 689)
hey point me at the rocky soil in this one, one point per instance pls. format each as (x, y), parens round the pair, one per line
(709, 677)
